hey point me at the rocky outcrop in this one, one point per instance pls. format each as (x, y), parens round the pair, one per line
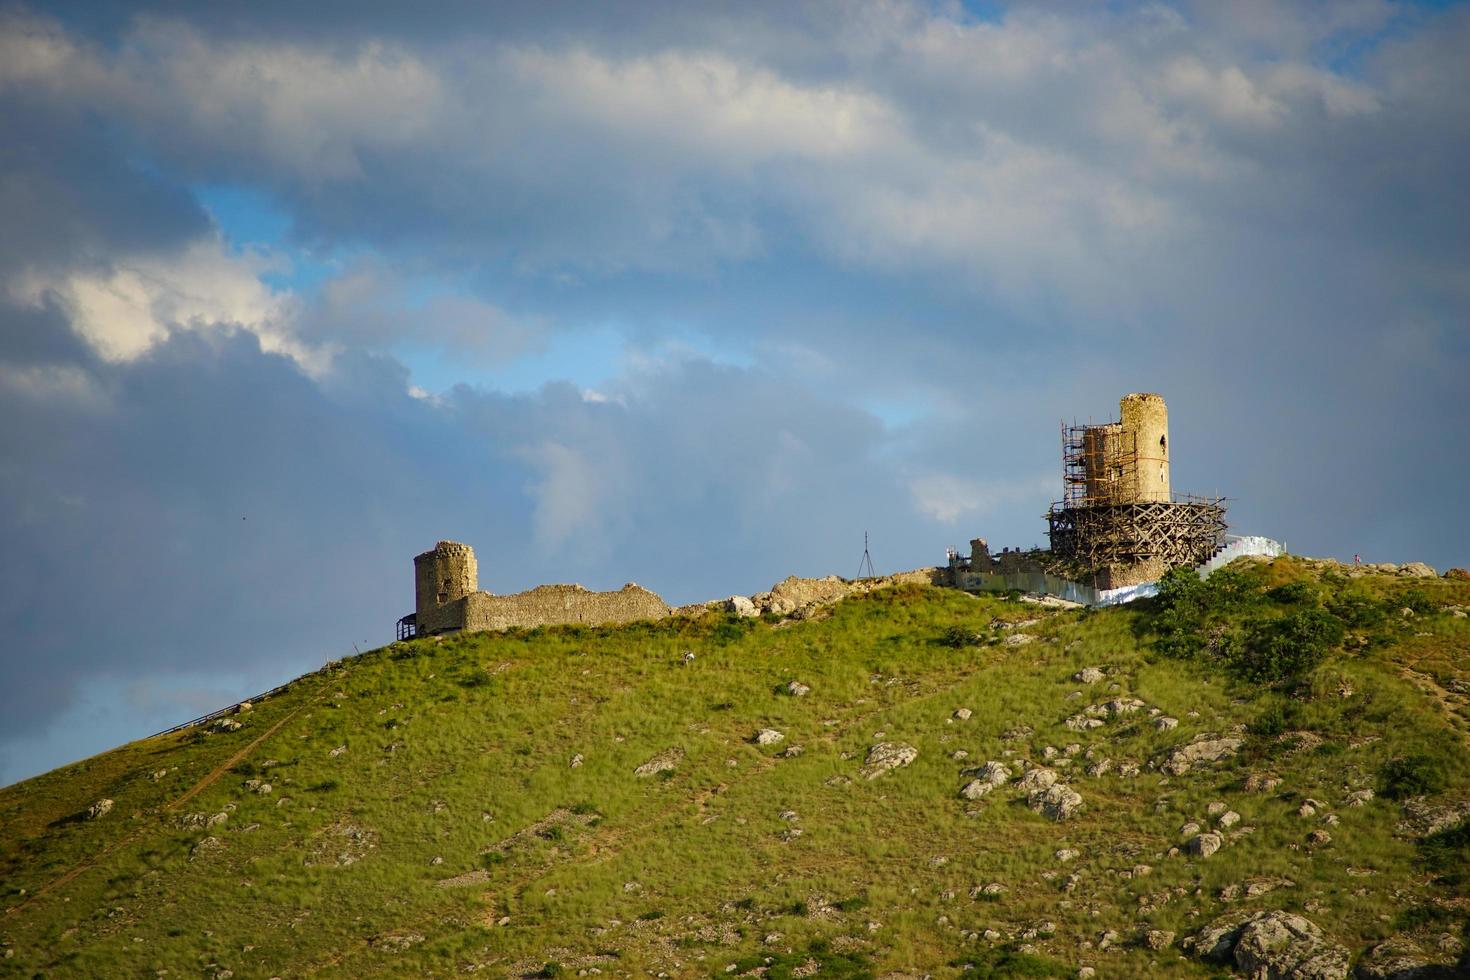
(1271, 946)
(1203, 750)
(666, 761)
(1056, 802)
(887, 756)
(1400, 958)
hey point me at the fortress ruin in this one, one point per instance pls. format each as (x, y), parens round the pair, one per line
(1118, 523)
(448, 600)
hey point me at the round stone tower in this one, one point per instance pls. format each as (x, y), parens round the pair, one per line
(442, 575)
(1145, 420)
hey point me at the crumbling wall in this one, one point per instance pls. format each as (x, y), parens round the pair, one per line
(553, 605)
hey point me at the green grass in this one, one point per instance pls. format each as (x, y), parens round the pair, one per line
(460, 749)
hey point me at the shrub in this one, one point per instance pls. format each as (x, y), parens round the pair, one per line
(1292, 593)
(1358, 611)
(1414, 775)
(958, 637)
(1447, 852)
(1417, 600)
(1287, 647)
(1274, 719)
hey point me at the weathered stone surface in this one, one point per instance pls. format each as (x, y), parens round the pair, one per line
(963, 714)
(768, 736)
(1082, 723)
(797, 689)
(1261, 782)
(1271, 946)
(1166, 724)
(740, 606)
(886, 756)
(99, 809)
(1088, 675)
(666, 761)
(993, 772)
(1204, 749)
(1056, 802)
(976, 788)
(1417, 569)
(1203, 845)
(1158, 939)
(1400, 958)
(1037, 778)
(1358, 797)
(1228, 819)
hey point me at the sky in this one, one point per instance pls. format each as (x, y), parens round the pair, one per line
(685, 294)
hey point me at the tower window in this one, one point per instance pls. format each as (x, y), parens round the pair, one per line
(1164, 443)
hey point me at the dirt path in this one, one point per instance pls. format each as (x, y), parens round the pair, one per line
(207, 781)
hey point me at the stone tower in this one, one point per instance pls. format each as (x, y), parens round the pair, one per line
(441, 576)
(1145, 420)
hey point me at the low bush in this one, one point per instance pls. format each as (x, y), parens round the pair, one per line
(1414, 775)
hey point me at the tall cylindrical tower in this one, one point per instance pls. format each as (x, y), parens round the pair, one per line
(1146, 426)
(446, 573)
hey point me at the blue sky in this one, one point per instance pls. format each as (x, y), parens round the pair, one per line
(691, 295)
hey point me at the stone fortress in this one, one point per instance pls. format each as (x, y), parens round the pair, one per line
(1118, 527)
(447, 600)
(1119, 524)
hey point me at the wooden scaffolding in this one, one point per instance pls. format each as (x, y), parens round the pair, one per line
(1183, 531)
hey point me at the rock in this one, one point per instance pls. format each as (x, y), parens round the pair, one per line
(975, 789)
(665, 761)
(1203, 845)
(995, 773)
(206, 846)
(1307, 809)
(740, 606)
(792, 751)
(243, 707)
(1358, 797)
(886, 756)
(226, 725)
(993, 890)
(1082, 723)
(1166, 724)
(1158, 939)
(1086, 973)
(963, 714)
(768, 736)
(1319, 838)
(99, 809)
(436, 861)
(1228, 819)
(1215, 808)
(1056, 802)
(797, 689)
(1100, 767)
(1037, 778)
(576, 762)
(1458, 574)
(1066, 854)
(1417, 569)
(159, 774)
(959, 755)
(1088, 675)
(1400, 958)
(1122, 706)
(1189, 829)
(337, 751)
(1271, 946)
(1261, 782)
(1205, 748)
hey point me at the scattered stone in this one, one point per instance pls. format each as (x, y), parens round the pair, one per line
(1205, 748)
(788, 815)
(1122, 706)
(1056, 802)
(1319, 838)
(1307, 809)
(1066, 854)
(1166, 724)
(1158, 939)
(959, 755)
(1037, 778)
(963, 714)
(1018, 639)
(1203, 845)
(205, 847)
(99, 809)
(1189, 829)
(1228, 819)
(797, 689)
(1417, 569)
(435, 861)
(975, 789)
(337, 751)
(886, 756)
(1082, 723)
(1400, 958)
(1088, 675)
(1100, 767)
(1086, 973)
(992, 890)
(577, 761)
(159, 774)
(792, 751)
(768, 736)
(1358, 797)
(666, 761)
(226, 725)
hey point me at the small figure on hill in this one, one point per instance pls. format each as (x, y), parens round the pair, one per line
(1357, 559)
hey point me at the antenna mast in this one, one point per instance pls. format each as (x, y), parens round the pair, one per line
(867, 561)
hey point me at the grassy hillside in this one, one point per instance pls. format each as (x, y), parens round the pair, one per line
(471, 805)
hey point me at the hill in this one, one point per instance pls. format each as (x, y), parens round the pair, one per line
(947, 783)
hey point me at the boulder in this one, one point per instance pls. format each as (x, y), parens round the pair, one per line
(1158, 939)
(1166, 724)
(768, 736)
(99, 809)
(1261, 782)
(1400, 958)
(739, 605)
(886, 756)
(797, 689)
(1082, 723)
(1088, 675)
(1036, 779)
(1358, 797)
(1228, 819)
(1458, 575)
(995, 773)
(1056, 802)
(1203, 845)
(963, 714)
(975, 789)
(1417, 569)
(1205, 748)
(1271, 946)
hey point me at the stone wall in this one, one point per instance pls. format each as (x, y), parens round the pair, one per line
(553, 605)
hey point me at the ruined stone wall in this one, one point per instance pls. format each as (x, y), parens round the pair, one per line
(552, 605)
(1146, 426)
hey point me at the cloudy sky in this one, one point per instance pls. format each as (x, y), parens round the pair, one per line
(689, 295)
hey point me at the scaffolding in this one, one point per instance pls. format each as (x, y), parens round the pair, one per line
(1184, 531)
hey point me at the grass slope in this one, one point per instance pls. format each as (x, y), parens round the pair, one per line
(452, 833)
